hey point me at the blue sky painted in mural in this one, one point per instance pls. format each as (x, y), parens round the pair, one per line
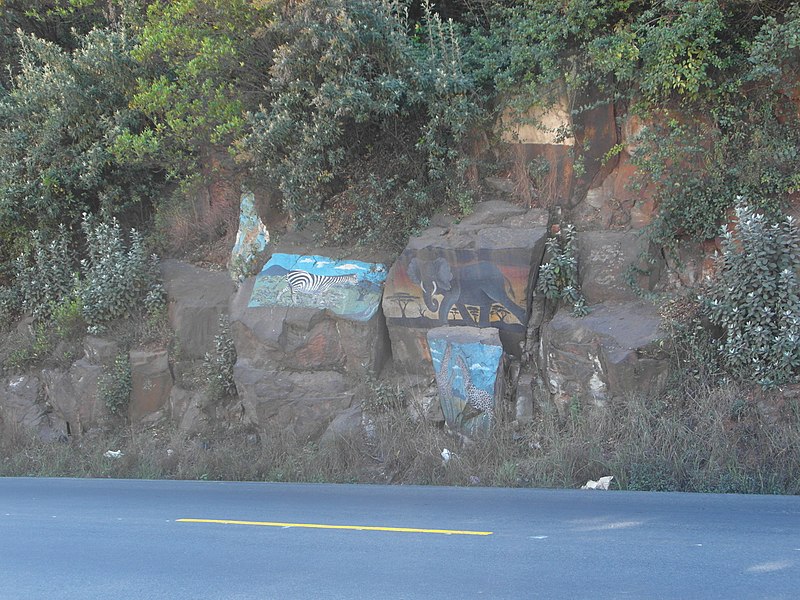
(482, 360)
(323, 265)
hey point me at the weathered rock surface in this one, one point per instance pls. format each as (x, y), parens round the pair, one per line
(74, 398)
(303, 402)
(100, 351)
(606, 257)
(478, 273)
(613, 351)
(346, 425)
(22, 408)
(197, 297)
(469, 363)
(151, 382)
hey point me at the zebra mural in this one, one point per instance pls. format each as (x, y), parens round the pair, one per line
(349, 288)
(303, 282)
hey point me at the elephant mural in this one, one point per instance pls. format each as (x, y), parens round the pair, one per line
(475, 293)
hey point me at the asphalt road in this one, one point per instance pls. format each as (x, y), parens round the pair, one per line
(110, 539)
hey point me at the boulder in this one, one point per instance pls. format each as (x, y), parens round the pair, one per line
(614, 351)
(469, 366)
(151, 382)
(307, 330)
(303, 402)
(196, 299)
(607, 260)
(251, 240)
(337, 327)
(186, 410)
(22, 408)
(478, 273)
(74, 398)
(346, 425)
(100, 351)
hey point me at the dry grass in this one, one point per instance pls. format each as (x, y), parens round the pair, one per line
(714, 439)
(197, 227)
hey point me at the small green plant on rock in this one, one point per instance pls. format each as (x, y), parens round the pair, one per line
(114, 387)
(755, 299)
(381, 396)
(558, 277)
(219, 364)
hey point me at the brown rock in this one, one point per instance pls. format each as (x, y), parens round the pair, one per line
(74, 397)
(100, 351)
(344, 426)
(606, 257)
(151, 382)
(479, 273)
(197, 297)
(22, 408)
(303, 402)
(614, 351)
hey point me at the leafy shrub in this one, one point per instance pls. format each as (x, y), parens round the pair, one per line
(117, 277)
(58, 122)
(114, 387)
(364, 123)
(755, 299)
(219, 365)
(204, 62)
(44, 274)
(558, 277)
(714, 100)
(10, 305)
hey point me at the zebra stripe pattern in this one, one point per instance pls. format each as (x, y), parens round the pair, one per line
(309, 283)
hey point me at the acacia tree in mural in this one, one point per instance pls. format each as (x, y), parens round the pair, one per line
(403, 299)
(472, 289)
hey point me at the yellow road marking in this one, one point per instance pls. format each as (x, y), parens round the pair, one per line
(320, 526)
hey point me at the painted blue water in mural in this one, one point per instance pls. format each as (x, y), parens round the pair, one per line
(466, 374)
(349, 288)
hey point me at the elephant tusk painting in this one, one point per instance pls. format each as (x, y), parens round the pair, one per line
(457, 287)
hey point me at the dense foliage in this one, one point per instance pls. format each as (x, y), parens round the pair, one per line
(370, 115)
(756, 301)
(365, 123)
(58, 123)
(713, 80)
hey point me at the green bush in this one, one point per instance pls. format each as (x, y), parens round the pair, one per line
(114, 386)
(558, 277)
(711, 80)
(117, 277)
(58, 123)
(204, 63)
(45, 276)
(755, 299)
(218, 366)
(364, 123)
